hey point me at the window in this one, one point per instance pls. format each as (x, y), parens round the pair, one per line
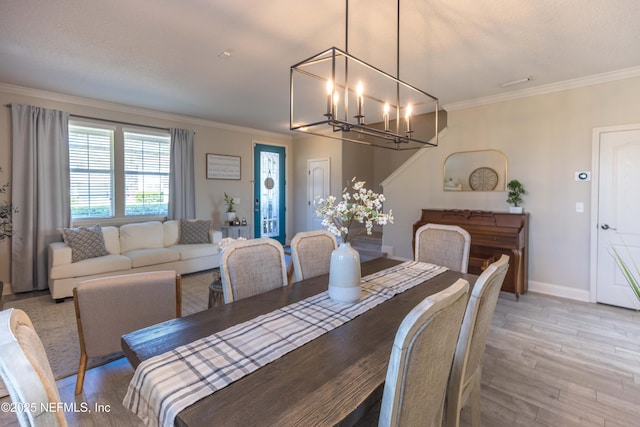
(146, 174)
(118, 172)
(91, 171)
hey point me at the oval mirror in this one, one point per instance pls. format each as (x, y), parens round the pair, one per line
(482, 170)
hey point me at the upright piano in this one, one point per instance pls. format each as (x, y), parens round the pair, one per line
(492, 234)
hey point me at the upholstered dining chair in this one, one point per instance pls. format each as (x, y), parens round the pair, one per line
(26, 372)
(464, 382)
(446, 245)
(251, 267)
(421, 360)
(109, 307)
(311, 253)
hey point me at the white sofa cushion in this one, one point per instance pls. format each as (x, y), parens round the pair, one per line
(144, 257)
(111, 239)
(143, 235)
(171, 232)
(91, 266)
(195, 250)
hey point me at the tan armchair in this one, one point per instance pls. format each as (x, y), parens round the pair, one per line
(110, 307)
(26, 372)
(464, 382)
(446, 245)
(251, 267)
(311, 253)
(421, 360)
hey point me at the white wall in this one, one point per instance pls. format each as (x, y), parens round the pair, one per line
(210, 137)
(309, 147)
(546, 138)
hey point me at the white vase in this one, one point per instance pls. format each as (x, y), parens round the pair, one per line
(344, 274)
(515, 209)
(231, 216)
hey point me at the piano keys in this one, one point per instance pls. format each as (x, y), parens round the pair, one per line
(492, 234)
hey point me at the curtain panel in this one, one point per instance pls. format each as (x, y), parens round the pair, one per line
(39, 190)
(182, 194)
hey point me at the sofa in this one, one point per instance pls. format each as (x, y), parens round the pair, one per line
(131, 248)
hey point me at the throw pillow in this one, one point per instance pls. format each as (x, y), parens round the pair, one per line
(85, 242)
(196, 231)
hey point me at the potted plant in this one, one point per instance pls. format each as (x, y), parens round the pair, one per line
(627, 269)
(231, 209)
(363, 206)
(514, 198)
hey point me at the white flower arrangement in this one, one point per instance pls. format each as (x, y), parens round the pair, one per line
(363, 206)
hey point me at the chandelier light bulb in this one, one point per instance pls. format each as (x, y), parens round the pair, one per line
(385, 117)
(360, 101)
(408, 117)
(329, 96)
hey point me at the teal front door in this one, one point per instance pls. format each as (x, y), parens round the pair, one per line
(269, 192)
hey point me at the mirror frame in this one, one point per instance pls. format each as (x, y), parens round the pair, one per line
(469, 163)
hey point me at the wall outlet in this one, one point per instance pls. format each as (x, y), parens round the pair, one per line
(579, 207)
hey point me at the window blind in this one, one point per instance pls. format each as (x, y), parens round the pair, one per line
(91, 171)
(146, 168)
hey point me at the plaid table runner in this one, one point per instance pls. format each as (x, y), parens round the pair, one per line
(164, 385)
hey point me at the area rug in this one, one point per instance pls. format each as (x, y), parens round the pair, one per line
(56, 323)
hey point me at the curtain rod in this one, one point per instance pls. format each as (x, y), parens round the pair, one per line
(117, 122)
(77, 116)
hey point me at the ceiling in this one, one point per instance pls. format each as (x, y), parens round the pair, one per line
(163, 54)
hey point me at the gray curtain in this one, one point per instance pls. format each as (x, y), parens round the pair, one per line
(182, 193)
(39, 190)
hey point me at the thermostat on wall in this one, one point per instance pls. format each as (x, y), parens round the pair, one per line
(583, 176)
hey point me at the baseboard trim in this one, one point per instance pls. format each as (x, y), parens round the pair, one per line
(559, 291)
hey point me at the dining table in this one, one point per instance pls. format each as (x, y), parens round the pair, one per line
(332, 380)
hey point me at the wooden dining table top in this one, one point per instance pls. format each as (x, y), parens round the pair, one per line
(331, 380)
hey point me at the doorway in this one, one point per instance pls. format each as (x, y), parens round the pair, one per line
(269, 192)
(616, 209)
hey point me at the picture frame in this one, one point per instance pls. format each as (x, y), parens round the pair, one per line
(222, 166)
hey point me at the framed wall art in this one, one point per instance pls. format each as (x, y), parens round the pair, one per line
(221, 166)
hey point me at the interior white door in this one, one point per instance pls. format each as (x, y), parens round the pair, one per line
(317, 186)
(618, 223)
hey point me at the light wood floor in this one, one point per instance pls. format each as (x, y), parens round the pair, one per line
(549, 362)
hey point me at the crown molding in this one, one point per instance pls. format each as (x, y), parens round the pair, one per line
(626, 73)
(122, 108)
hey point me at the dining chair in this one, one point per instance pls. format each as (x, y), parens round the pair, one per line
(311, 253)
(464, 382)
(445, 245)
(109, 307)
(26, 372)
(421, 359)
(251, 267)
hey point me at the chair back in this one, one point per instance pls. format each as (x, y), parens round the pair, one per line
(251, 267)
(421, 359)
(109, 307)
(311, 253)
(26, 372)
(446, 245)
(467, 362)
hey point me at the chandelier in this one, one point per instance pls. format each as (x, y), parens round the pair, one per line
(339, 96)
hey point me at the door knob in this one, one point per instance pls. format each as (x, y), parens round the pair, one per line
(606, 227)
